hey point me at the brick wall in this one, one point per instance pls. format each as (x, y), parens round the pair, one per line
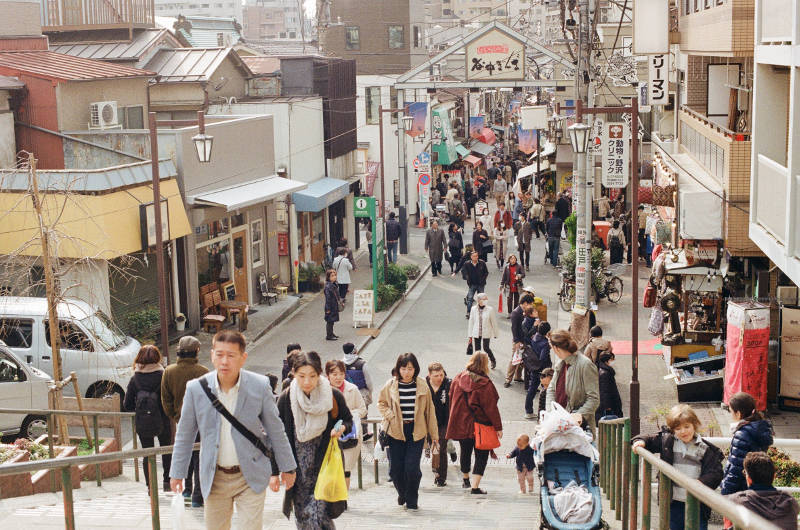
(736, 229)
(697, 77)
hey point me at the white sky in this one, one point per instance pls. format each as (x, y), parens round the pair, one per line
(310, 7)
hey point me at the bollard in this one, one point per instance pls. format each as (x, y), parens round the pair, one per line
(153, 483)
(66, 489)
(647, 489)
(664, 500)
(97, 471)
(692, 514)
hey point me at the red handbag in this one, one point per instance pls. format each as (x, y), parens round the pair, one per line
(486, 437)
(649, 297)
(500, 304)
(645, 195)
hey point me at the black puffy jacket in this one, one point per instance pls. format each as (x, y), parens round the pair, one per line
(749, 437)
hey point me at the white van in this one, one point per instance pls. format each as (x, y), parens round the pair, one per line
(91, 345)
(21, 387)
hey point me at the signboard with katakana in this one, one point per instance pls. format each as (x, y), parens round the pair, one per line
(616, 154)
(658, 85)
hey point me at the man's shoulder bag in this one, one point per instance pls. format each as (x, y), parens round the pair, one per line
(236, 424)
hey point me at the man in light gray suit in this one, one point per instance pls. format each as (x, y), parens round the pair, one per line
(232, 469)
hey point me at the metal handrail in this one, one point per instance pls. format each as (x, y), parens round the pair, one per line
(788, 443)
(740, 516)
(45, 412)
(706, 121)
(620, 471)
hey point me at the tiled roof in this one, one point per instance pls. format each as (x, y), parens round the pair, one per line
(192, 64)
(59, 66)
(260, 64)
(119, 51)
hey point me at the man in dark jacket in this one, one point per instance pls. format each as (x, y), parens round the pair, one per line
(393, 232)
(475, 273)
(514, 371)
(439, 386)
(562, 207)
(610, 402)
(173, 388)
(554, 225)
(761, 497)
(540, 347)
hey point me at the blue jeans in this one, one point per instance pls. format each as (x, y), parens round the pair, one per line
(533, 386)
(473, 290)
(391, 249)
(404, 465)
(553, 245)
(677, 510)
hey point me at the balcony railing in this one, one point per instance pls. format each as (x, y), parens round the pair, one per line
(772, 186)
(77, 15)
(775, 21)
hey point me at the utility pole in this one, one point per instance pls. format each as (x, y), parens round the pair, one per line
(582, 199)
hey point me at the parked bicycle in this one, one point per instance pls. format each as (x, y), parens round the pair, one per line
(566, 292)
(611, 287)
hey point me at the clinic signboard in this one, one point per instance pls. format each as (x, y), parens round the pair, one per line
(495, 55)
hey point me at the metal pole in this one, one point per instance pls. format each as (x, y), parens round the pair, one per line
(402, 168)
(622, 508)
(97, 468)
(583, 279)
(664, 500)
(634, 384)
(382, 208)
(647, 489)
(153, 485)
(160, 266)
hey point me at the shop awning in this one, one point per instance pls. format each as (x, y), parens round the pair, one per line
(320, 194)
(487, 136)
(498, 128)
(98, 226)
(527, 171)
(472, 159)
(240, 196)
(481, 148)
(462, 150)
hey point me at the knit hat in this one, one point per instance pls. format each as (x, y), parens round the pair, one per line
(348, 348)
(188, 345)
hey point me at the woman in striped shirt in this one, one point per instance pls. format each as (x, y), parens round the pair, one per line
(408, 418)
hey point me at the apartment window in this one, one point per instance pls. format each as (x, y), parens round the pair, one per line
(372, 101)
(134, 117)
(257, 239)
(396, 37)
(417, 37)
(351, 38)
(393, 103)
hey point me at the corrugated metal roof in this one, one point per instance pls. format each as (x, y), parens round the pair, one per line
(10, 83)
(284, 48)
(192, 64)
(59, 66)
(87, 180)
(260, 64)
(118, 51)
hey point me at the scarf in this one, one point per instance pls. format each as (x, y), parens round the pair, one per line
(148, 368)
(350, 358)
(310, 412)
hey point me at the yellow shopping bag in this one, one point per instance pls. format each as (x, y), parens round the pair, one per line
(331, 486)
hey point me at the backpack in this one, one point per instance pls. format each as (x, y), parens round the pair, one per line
(613, 241)
(148, 413)
(355, 374)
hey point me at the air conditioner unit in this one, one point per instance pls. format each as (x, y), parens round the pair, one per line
(787, 295)
(103, 115)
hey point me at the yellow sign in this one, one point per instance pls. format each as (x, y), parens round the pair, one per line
(495, 55)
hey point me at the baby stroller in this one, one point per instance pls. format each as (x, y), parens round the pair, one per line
(568, 475)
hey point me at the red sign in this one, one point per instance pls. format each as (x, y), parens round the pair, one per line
(283, 243)
(493, 48)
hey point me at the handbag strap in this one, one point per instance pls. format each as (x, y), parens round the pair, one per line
(236, 424)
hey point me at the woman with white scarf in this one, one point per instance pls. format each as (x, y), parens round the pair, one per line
(309, 409)
(147, 372)
(482, 327)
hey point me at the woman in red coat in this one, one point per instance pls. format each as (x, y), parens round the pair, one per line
(473, 398)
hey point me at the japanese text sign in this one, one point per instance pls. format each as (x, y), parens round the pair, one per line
(658, 85)
(615, 155)
(495, 55)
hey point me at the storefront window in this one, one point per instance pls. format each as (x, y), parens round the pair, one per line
(257, 239)
(317, 228)
(237, 220)
(213, 263)
(214, 229)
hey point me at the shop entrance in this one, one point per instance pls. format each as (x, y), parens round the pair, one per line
(240, 276)
(336, 215)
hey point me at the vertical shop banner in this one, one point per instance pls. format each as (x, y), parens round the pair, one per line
(514, 106)
(789, 391)
(475, 126)
(422, 170)
(615, 155)
(746, 351)
(442, 137)
(526, 140)
(658, 84)
(419, 111)
(366, 208)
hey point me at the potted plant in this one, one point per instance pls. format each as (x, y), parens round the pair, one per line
(180, 322)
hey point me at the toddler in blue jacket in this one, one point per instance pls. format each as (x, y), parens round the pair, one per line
(523, 453)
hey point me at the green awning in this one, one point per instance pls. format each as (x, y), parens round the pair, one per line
(461, 150)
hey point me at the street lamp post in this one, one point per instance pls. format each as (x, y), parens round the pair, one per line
(203, 144)
(633, 108)
(406, 123)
